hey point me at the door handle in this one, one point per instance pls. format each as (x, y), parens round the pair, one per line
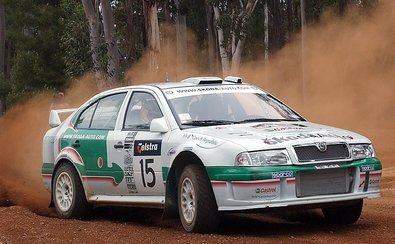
(127, 146)
(76, 143)
(119, 145)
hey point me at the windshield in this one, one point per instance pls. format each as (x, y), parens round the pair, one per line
(230, 108)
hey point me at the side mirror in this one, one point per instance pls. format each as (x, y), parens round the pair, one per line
(159, 125)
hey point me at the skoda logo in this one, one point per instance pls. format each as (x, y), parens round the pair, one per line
(322, 146)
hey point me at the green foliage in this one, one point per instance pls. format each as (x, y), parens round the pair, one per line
(254, 45)
(74, 39)
(195, 13)
(34, 29)
(130, 42)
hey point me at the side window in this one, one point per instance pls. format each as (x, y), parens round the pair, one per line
(84, 121)
(142, 109)
(106, 112)
(102, 114)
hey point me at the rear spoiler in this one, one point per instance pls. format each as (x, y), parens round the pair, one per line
(54, 119)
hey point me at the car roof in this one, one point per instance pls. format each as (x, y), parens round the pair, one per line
(188, 82)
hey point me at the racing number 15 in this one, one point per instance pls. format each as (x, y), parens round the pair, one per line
(145, 170)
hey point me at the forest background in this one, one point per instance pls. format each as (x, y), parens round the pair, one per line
(45, 45)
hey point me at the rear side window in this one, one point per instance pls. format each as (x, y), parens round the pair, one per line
(84, 121)
(102, 114)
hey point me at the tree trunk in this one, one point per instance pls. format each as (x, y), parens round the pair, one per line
(2, 40)
(277, 31)
(130, 41)
(167, 13)
(9, 54)
(342, 6)
(303, 50)
(152, 32)
(236, 58)
(211, 38)
(266, 26)
(91, 8)
(291, 19)
(2, 53)
(222, 49)
(113, 67)
(238, 43)
(181, 27)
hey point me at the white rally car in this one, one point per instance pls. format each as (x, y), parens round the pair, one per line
(201, 147)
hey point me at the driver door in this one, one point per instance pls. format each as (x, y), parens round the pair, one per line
(137, 150)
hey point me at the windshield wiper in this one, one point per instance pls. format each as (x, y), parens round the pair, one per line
(208, 122)
(264, 120)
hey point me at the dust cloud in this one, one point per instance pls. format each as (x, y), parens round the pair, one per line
(349, 74)
(349, 70)
(21, 134)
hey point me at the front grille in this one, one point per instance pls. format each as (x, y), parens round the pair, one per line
(311, 153)
(323, 182)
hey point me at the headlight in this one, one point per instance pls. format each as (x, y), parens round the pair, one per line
(359, 151)
(263, 158)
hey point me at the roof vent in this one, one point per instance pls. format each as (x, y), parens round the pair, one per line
(203, 80)
(233, 79)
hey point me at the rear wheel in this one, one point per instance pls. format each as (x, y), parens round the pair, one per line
(347, 214)
(68, 194)
(197, 207)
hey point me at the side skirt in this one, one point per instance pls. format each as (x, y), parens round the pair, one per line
(128, 201)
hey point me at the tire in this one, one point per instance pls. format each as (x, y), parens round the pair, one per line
(68, 194)
(349, 213)
(197, 207)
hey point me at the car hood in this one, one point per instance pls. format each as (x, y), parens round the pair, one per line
(257, 136)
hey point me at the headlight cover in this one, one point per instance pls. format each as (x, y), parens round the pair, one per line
(263, 158)
(359, 151)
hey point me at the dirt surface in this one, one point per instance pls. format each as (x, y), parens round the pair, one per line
(19, 225)
(135, 225)
(351, 86)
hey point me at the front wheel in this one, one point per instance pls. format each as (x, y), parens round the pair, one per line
(197, 207)
(68, 194)
(349, 213)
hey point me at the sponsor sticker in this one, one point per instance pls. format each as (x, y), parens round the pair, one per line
(327, 166)
(147, 148)
(283, 174)
(266, 192)
(274, 127)
(200, 138)
(374, 181)
(128, 162)
(85, 137)
(367, 168)
(171, 152)
(188, 91)
(277, 140)
(185, 117)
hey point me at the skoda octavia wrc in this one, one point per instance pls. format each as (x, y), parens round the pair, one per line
(201, 147)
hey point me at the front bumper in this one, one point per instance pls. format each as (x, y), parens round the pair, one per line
(245, 188)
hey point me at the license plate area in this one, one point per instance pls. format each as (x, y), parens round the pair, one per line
(323, 182)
